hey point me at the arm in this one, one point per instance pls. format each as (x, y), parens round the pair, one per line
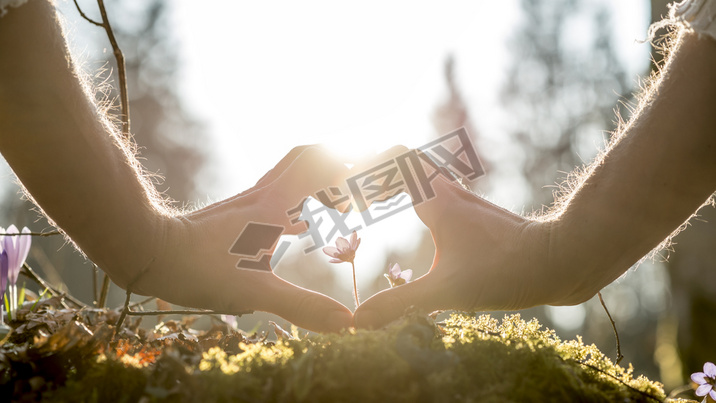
(85, 177)
(659, 169)
(70, 159)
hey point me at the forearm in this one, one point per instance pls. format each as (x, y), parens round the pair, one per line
(660, 169)
(72, 162)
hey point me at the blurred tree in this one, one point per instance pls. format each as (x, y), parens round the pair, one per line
(561, 87)
(561, 92)
(171, 142)
(692, 268)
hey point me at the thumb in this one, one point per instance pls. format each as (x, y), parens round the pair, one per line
(447, 193)
(389, 305)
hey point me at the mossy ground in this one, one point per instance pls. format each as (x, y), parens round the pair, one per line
(465, 359)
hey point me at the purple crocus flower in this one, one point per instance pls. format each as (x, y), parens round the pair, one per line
(706, 381)
(16, 247)
(344, 251)
(398, 277)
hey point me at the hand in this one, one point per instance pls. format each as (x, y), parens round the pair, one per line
(194, 267)
(486, 259)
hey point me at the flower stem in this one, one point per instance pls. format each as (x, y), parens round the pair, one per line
(355, 285)
(13, 301)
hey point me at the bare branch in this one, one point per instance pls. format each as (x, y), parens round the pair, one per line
(91, 21)
(614, 326)
(30, 273)
(119, 56)
(104, 292)
(36, 233)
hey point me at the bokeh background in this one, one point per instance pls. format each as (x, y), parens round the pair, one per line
(221, 90)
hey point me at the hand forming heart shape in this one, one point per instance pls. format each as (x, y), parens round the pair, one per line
(197, 249)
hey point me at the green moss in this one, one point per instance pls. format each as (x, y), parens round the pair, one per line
(465, 359)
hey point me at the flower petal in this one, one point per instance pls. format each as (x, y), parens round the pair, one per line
(355, 247)
(712, 394)
(394, 271)
(354, 239)
(703, 389)
(335, 261)
(407, 275)
(23, 245)
(13, 254)
(331, 251)
(3, 273)
(698, 377)
(342, 244)
(710, 369)
(229, 320)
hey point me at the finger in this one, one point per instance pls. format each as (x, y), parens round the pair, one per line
(315, 172)
(282, 165)
(378, 159)
(447, 196)
(304, 308)
(251, 290)
(391, 304)
(305, 171)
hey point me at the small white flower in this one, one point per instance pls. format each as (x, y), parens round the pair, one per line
(706, 381)
(398, 277)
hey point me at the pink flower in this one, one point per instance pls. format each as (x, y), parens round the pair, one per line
(398, 277)
(344, 251)
(706, 381)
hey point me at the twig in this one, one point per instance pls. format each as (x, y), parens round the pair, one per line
(124, 313)
(614, 326)
(119, 56)
(679, 390)
(104, 292)
(95, 298)
(91, 21)
(27, 270)
(142, 302)
(174, 312)
(646, 394)
(35, 233)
